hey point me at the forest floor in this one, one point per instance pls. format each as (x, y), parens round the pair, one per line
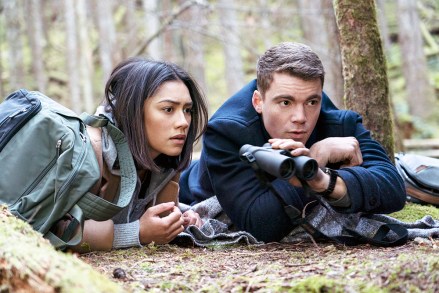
(277, 267)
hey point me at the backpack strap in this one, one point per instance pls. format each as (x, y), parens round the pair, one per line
(73, 232)
(380, 238)
(95, 207)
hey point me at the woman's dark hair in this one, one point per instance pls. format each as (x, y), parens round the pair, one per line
(130, 84)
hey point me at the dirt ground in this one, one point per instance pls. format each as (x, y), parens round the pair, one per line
(274, 267)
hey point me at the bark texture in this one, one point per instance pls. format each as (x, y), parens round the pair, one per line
(29, 263)
(364, 68)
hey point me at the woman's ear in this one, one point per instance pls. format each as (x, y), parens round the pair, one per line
(257, 101)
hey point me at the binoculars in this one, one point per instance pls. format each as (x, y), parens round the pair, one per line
(279, 163)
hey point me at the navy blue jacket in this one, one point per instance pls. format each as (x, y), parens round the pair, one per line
(373, 187)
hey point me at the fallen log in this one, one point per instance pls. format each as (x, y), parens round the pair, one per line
(29, 263)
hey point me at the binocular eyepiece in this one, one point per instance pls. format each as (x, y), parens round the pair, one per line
(279, 163)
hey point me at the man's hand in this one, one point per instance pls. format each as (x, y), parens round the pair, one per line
(295, 147)
(345, 150)
(330, 150)
(161, 230)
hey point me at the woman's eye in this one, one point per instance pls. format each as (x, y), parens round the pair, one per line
(188, 110)
(167, 110)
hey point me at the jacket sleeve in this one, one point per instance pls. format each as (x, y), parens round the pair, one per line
(249, 205)
(375, 186)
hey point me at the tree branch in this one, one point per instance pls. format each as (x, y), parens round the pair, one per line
(184, 7)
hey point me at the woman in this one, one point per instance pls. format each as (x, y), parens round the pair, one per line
(162, 112)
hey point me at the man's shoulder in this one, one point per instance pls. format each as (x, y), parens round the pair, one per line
(329, 113)
(335, 122)
(338, 116)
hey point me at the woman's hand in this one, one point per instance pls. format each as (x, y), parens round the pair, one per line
(191, 218)
(161, 230)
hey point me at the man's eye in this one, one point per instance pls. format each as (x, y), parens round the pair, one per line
(285, 103)
(313, 102)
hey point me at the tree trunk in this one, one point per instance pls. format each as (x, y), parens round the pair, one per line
(232, 47)
(85, 57)
(131, 27)
(334, 71)
(194, 45)
(169, 52)
(364, 68)
(29, 263)
(420, 95)
(15, 44)
(265, 22)
(37, 42)
(321, 34)
(107, 37)
(384, 27)
(152, 23)
(72, 57)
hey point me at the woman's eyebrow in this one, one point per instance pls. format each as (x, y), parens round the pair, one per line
(175, 102)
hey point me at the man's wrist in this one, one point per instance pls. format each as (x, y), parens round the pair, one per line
(333, 174)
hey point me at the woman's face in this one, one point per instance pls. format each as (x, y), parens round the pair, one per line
(168, 115)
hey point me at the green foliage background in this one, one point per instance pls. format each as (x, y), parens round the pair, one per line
(282, 15)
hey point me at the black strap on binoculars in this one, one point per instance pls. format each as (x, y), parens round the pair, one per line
(349, 236)
(297, 218)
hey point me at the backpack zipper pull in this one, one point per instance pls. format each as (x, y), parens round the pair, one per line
(17, 112)
(58, 147)
(83, 137)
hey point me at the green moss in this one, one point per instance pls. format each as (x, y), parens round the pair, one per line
(412, 212)
(61, 270)
(323, 284)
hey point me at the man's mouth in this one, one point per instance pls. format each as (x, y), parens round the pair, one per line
(297, 132)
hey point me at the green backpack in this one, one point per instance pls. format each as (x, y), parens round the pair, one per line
(48, 166)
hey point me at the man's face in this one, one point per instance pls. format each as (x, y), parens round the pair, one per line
(290, 107)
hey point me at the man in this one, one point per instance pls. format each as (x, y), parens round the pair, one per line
(286, 107)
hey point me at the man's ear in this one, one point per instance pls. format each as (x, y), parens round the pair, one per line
(257, 101)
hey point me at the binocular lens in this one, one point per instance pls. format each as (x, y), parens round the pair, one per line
(309, 170)
(286, 169)
(279, 163)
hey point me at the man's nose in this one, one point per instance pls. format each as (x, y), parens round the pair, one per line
(298, 115)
